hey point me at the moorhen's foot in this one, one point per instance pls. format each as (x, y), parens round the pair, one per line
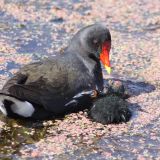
(111, 109)
(116, 88)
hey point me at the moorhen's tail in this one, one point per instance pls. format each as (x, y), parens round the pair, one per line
(11, 106)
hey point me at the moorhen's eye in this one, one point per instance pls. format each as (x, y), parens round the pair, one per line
(95, 41)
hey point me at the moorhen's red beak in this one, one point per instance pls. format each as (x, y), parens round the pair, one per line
(104, 56)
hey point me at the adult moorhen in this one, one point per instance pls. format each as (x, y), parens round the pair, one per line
(65, 83)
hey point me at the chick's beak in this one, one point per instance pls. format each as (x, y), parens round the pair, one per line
(104, 56)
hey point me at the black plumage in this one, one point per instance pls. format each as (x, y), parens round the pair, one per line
(52, 83)
(110, 109)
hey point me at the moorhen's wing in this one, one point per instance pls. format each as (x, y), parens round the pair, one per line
(29, 92)
(26, 92)
(20, 77)
(37, 83)
(49, 97)
(17, 79)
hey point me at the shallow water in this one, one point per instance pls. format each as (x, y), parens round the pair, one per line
(17, 134)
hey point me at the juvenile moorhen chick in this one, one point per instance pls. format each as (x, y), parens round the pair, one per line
(65, 83)
(110, 109)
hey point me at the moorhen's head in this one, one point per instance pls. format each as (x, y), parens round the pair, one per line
(95, 42)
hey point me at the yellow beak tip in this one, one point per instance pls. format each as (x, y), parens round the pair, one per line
(108, 69)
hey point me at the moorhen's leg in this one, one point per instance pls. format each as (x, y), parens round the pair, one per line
(82, 100)
(86, 94)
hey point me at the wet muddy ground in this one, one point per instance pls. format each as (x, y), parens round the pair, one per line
(31, 30)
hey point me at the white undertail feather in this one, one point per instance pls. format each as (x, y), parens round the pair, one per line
(2, 108)
(22, 108)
